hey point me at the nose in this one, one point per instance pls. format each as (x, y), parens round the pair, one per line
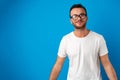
(79, 18)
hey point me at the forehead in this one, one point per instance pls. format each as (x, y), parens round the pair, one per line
(77, 11)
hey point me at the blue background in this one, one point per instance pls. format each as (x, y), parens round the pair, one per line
(30, 32)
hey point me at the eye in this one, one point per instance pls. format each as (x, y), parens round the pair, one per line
(74, 16)
(82, 14)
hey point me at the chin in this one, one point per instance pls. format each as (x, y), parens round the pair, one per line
(79, 26)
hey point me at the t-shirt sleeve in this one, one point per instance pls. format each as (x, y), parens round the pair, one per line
(62, 48)
(103, 47)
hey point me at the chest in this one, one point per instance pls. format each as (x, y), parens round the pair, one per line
(76, 48)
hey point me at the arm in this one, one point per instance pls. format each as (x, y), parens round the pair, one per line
(108, 67)
(56, 69)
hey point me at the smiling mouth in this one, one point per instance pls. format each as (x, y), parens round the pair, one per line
(79, 22)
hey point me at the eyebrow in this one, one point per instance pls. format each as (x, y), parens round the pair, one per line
(79, 14)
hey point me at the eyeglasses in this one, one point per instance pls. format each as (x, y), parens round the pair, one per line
(75, 16)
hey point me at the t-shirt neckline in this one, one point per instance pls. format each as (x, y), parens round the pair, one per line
(82, 37)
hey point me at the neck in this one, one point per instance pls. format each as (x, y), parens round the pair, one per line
(81, 32)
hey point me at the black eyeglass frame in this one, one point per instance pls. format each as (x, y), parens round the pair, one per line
(82, 16)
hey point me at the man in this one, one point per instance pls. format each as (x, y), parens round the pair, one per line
(85, 50)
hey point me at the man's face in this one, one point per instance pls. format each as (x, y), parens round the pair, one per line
(78, 18)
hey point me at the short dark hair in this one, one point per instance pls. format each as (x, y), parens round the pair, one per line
(77, 6)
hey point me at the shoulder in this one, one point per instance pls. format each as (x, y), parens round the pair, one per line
(96, 35)
(68, 36)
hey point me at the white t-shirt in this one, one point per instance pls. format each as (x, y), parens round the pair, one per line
(83, 54)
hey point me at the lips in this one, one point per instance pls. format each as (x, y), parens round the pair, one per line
(79, 22)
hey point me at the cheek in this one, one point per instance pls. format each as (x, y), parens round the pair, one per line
(86, 19)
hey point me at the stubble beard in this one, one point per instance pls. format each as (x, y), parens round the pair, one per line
(80, 27)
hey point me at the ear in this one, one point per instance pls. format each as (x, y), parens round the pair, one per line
(87, 19)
